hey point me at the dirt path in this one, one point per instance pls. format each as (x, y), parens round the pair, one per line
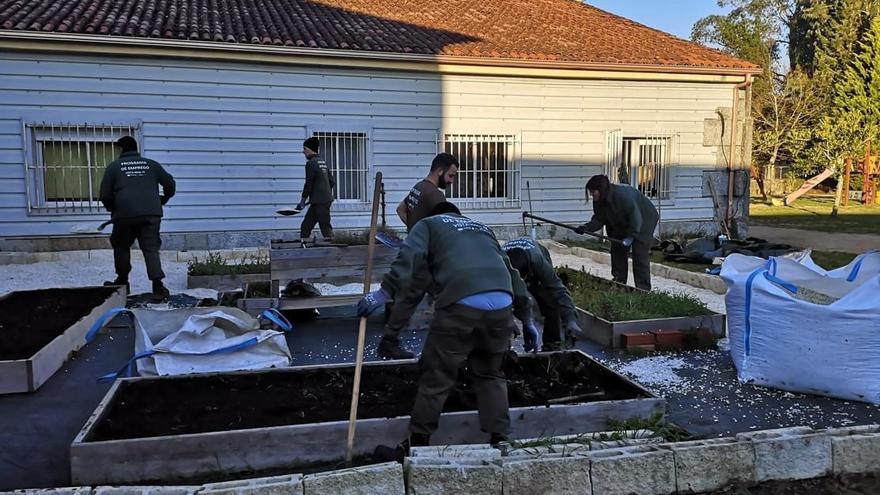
(820, 241)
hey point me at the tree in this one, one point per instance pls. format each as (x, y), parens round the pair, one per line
(846, 71)
(783, 103)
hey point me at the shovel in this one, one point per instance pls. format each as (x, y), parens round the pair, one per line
(89, 229)
(289, 212)
(569, 227)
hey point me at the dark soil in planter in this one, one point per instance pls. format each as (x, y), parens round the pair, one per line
(197, 404)
(31, 319)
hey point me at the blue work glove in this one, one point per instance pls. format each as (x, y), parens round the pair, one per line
(628, 241)
(530, 336)
(371, 302)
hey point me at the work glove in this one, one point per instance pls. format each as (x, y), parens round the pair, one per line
(627, 241)
(163, 199)
(371, 302)
(530, 336)
(300, 206)
(581, 230)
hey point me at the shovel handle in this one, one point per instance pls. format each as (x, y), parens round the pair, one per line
(569, 227)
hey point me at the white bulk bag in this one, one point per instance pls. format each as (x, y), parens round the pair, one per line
(780, 340)
(201, 340)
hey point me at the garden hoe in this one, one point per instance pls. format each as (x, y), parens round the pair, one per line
(569, 227)
(89, 229)
(362, 329)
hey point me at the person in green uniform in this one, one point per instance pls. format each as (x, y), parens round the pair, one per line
(130, 192)
(478, 293)
(535, 266)
(317, 191)
(428, 192)
(630, 216)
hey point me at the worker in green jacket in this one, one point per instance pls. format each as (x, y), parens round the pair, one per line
(630, 216)
(535, 266)
(477, 294)
(317, 191)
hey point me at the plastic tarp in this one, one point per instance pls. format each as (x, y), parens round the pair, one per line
(201, 340)
(780, 338)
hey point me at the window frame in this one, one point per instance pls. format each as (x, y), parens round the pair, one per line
(316, 131)
(36, 133)
(514, 167)
(616, 144)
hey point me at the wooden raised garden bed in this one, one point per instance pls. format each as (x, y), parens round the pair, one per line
(39, 329)
(607, 309)
(222, 274)
(174, 429)
(334, 264)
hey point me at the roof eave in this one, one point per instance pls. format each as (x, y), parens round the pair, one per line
(66, 42)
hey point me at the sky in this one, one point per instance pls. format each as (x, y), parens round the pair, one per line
(672, 16)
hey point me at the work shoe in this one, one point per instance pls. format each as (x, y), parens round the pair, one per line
(390, 348)
(160, 292)
(553, 346)
(384, 453)
(495, 439)
(119, 281)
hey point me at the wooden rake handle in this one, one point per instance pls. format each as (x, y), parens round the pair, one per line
(362, 328)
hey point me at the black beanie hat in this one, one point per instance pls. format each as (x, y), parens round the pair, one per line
(127, 143)
(443, 208)
(313, 144)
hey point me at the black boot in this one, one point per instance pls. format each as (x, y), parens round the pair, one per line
(390, 348)
(119, 281)
(384, 453)
(160, 292)
(497, 438)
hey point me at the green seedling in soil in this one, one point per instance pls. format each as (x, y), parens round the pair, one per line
(217, 264)
(613, 302)
(656, 423)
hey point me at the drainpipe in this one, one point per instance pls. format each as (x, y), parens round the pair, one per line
(730, 164)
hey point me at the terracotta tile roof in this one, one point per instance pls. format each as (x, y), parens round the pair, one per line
(536, 30)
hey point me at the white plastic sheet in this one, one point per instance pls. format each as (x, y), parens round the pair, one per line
(780, 340)
(200, 340)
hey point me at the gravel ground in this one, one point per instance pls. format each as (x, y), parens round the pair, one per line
(86, 272)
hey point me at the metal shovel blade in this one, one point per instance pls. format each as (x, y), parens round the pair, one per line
(288, 212)
(83, 228)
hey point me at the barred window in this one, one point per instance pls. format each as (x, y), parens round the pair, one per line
(646, 163)
(346, 156)
(65, 164)
(489, 169)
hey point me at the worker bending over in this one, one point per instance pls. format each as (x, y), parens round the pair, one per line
(628, 215)
(477, 291)
(535, 266)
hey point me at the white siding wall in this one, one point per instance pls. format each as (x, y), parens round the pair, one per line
(231, 134)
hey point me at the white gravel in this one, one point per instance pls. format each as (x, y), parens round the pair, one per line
(713, 301)
(655, 370)
(94, 268)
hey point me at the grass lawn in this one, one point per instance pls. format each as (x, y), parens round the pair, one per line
(813, 212)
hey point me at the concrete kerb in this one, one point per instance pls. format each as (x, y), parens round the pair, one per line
(289, 484)
(790, 453)
(447, 476)
(695, 279)
(146, 490)
(379, 479)
(646, 470)
(705, 465)
(855, 449)
(550, 475)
